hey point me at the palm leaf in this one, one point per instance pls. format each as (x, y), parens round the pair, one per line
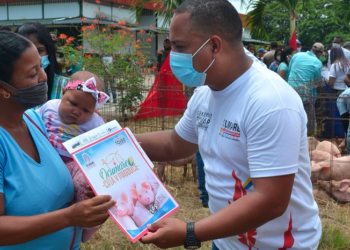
(254, 19)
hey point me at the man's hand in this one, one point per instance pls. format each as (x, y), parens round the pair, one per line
(166, 233)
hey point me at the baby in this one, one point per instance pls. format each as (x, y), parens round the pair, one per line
(73, 115)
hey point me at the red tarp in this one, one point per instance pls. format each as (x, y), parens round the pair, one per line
(165, 98)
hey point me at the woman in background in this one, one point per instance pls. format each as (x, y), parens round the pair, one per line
(274, 65)
(41, 38)
(283, 67)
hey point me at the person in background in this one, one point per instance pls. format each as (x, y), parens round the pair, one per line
(283, 67)
(261, 53)
(53, 36)
(274, 64)
(338, 42)
(347, 46)
(201, 181)
(299, 46)
(40, 36)
(269, 57)
(338, 70)
(324, 61)
(36, 188)
(337, 73)
(305, 76)
(251, 48)
(163, 54)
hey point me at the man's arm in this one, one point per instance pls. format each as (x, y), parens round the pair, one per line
(268, 201)
(165, 145)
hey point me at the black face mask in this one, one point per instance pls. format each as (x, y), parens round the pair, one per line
(30, 97)
(167, 48)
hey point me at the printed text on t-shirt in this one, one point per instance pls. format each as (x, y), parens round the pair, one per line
(203, 119)
(230, 130)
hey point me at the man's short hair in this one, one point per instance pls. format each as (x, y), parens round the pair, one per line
(214, 17)
(339, 37)
(274, 45)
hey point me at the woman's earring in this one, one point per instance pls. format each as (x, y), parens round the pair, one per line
(7, 95)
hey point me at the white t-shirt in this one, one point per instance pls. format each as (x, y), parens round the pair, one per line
(60, 132)
(339, 75)
(256, 127)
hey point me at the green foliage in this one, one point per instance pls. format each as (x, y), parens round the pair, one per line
(321, 21)
(165, 8)
(317, 20)
(112, 53)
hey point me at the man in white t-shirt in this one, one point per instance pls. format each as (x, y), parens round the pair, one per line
(338, 42)
(250, 128)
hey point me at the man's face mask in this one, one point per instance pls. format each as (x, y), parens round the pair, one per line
(336, 45)
(182, 66)
(322, 59)
(298, 49)
(30, 97)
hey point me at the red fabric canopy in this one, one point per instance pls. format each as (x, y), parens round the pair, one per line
(165, 98)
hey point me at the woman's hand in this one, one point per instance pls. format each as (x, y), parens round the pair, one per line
(91, 212)
(88, 192)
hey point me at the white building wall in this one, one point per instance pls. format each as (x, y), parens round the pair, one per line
(160, 23)
(59, 10)
(24, 12)
(3, 11)
(120, 14)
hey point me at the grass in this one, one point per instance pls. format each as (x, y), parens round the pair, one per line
(335, 219)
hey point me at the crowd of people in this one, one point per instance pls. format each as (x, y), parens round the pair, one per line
(245, 120)
(314, 74)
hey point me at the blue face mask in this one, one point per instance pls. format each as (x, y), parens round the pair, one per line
(298, 49)
(182, 66)
(45, 61)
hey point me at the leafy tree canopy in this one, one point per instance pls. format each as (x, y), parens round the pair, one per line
(317, 21)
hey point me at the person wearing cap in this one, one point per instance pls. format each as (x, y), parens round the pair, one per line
(305, 76)
(269, 57)
(261, 53)
(299, 46)
(163, 54)
(347, 46)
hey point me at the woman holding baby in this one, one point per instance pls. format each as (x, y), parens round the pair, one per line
(36, 188)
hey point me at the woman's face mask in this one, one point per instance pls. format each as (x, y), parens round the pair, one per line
(30, 97)
(182, 66)
(45, 61)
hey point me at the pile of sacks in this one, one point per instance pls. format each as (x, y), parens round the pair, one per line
(330, 172)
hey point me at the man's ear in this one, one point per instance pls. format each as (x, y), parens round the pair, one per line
(216, 42)
(63, 91)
